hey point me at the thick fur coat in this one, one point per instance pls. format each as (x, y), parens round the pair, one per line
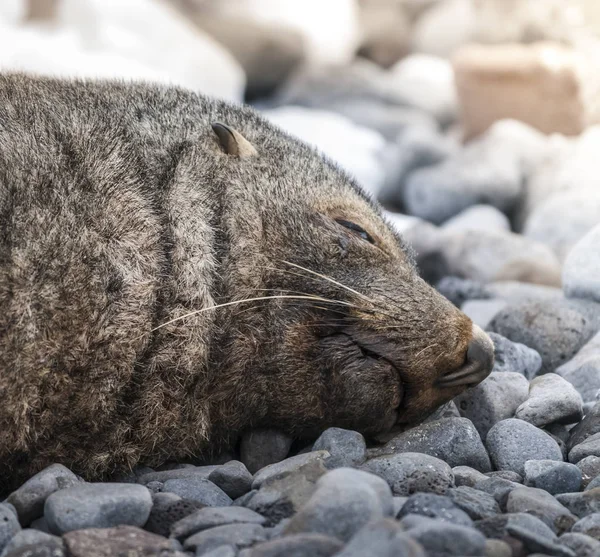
(121, 212)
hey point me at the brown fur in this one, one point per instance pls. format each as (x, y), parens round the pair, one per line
(119, 211)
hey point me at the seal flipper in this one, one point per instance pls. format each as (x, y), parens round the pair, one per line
(233, 142)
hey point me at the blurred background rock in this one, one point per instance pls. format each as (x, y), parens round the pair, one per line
(475, 122)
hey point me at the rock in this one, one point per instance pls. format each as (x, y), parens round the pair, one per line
(498, 488)
(29, 537)
(542, 505)
(576, 211)
(407, 473)
(298, 545)
(553, 477)
(162, 476)
(589, 525)
(233, 478)
(555, 329)
(506, 475)
(513, 442)
(261, 447)
(122, 540)
(347, 448)
(581, 273)
(581, 504)
(448, 410)
(381, 538)
(435, 506)
(496, 527)
(29, 499)
(453, 440)
(211, 517)
(459, 291)
(551, 399)
(589, 447)
(441, 539)
(515, 292)
(583, 370)
(545, 85)
(238, 535)
(590, 425)
(534, 543)
(101, 505)
(476, 503)
(481, 312)
(581, 544)
(590, 469)
(168, 509)
(200, 490)
(479, 217)
(282, 496)
(287, 466)
(515, 357)
(497, 548)
(353, 504)
(495, 399)
(466, 476)
(9, 524)
(480, 173)
(222, 551)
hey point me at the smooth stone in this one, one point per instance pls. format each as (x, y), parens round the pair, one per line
(506, 475)
(496, 527)
(121, 540)
(589, 447)
(516, 292)
(554, 328)
(590, 425)
(298, 545)
(542, 505)
(399, 502)
(286, 466)
(38, 550)
(222, 551)
(498, 488)
(467, 476)
(476, 503)
(340, 508)
(435, 506)
(262, 447)
(100, 505)
(583, 370)
(481, 312)
(167, 510)
(581, 504)
(239, 535)
(581, 271)
(495, 399)
(553, 477)
(497, 548)
(460, 290)
(589, 525)
(448, 410)
(29, 499)
(453, 440)
(478, 217)
(210, 517)
(197, 489)
(581, 544)
(347, 448)
(593, 484)
(163, 476)
(590, 469)
(233, 478)
(9, 524)
(29, 537)
(535, 543)
(408, 473)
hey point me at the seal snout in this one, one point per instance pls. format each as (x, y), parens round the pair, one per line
(478, 364)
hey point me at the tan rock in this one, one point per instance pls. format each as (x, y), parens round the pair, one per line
(550, 87)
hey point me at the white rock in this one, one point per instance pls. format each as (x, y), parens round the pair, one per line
(581, 273)
(583, 370)
(481, 312)
(354, 148)
(479, 217)
(401, 222)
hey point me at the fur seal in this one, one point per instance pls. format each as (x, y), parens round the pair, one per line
(174, 270)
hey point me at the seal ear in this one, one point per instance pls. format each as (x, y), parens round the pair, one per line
(233, 142)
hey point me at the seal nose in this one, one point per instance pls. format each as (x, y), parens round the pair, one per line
(479, 362)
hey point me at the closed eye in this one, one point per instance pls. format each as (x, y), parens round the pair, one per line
(356, 229)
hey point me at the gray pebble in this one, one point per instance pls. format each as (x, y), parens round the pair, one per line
(399, 502)
(238, 535)
(408, 473)
(482, 312)
(589, 426)
(513, 442)
(476, 503)
(221, 551)
(200, 490)
(29, 499)
(552, 476)
(515, 357)
(298, 545)
(581, 544)
(498, 488)
(580, 272)
(167, 509)
(583, 370)
(506, 475)
(233, 478)
(287, 466)
(163, 476)
(435, 506)
(536, 543)
(589, 525)
(459, 290)
(542, 505)
(30, 537)
(453, 440)
(100, 505)
(347, 448)
(495, 399)
(581, 504)
(589, 447)
(497, 548)
(467, 476)
(593, 484)
(39, 550)
(551, 399)
(262, 447)
(496, 527)
(590, 469)
(9, 524)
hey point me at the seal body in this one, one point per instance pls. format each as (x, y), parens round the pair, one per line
(130, 228)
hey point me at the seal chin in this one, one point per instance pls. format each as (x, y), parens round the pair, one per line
(479, 362)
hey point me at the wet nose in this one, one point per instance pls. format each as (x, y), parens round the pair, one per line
(478, 364)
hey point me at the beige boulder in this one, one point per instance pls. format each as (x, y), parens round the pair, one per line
(551, 87)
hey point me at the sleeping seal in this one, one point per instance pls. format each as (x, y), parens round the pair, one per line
(174, 270)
